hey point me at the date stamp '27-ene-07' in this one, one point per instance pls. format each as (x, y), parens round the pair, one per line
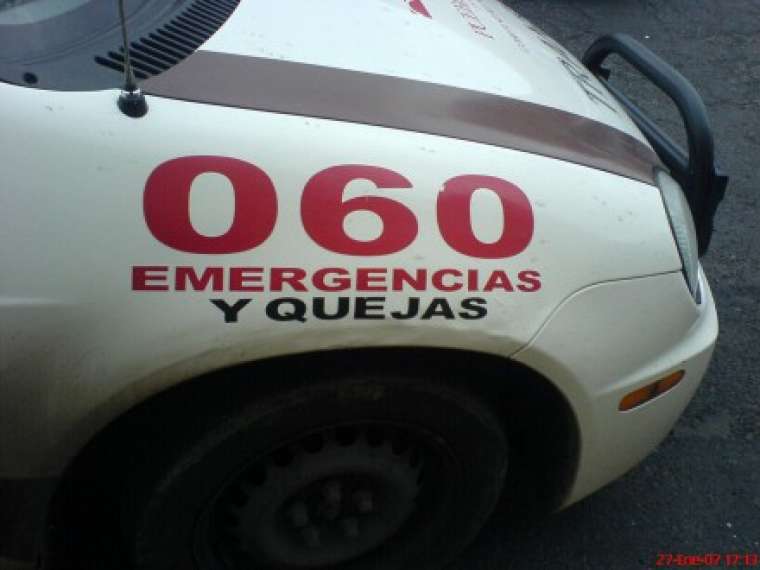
(709, 560)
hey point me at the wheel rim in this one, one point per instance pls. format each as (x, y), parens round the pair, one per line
(324, 499)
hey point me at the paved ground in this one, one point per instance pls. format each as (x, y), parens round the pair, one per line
(700, 492)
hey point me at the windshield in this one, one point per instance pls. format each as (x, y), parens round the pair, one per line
(76, 45)
(50, 43)
(19, 12)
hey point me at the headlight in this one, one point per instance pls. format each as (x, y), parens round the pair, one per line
(682, 225)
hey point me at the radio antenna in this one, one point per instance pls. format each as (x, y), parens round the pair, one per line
(131, 100)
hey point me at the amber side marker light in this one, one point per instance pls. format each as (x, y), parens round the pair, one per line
(650, 391)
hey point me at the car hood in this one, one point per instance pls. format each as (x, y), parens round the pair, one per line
(479, 45)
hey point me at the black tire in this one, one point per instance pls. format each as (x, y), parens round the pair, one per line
(210, 494)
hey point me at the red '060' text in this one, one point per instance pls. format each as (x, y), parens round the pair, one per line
(166, 206)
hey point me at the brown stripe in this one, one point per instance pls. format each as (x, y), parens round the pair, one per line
(356, 97)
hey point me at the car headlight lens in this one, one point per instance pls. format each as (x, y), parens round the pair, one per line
(682, 225)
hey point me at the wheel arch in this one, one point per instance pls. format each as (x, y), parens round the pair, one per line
(540, 424)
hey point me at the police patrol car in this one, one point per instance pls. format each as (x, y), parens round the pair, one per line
(314, 284)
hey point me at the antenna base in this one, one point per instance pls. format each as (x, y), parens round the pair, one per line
(133, 103)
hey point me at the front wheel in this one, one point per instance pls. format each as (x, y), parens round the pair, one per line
(349, 473)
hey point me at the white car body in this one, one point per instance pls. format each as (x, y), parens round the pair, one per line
(94, 316)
